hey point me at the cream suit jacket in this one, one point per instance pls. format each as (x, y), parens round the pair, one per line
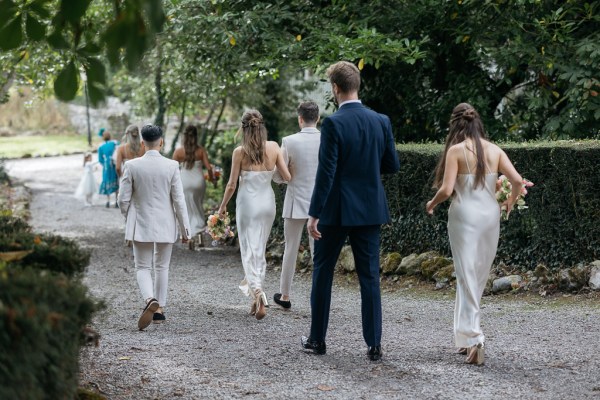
(301, 154)
(151, 199)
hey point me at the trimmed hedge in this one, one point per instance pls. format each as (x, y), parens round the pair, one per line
(41, 321)
(561, 227)
(49, 252)
(44, 309)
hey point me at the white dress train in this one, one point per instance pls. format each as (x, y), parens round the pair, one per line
(473, 230)
(254, 214)
(194, 188)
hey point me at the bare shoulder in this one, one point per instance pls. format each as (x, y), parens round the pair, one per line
(491, 148)
(456, 149)
(272, 145)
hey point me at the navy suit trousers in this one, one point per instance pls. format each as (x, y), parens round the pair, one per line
(364, 241)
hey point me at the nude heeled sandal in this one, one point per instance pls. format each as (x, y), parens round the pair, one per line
(476, 355)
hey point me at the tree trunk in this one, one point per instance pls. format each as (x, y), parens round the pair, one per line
(216, 125)
(181, 125)
(160, 94)
(205, 125)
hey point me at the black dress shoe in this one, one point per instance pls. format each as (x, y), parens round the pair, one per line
(282, 303)
(158, 318)
(374, 353)
(316, 347)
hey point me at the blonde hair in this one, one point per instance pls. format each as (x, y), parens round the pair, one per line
(254, 136)
(133, 138)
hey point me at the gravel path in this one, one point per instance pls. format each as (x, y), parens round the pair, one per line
(210, 348)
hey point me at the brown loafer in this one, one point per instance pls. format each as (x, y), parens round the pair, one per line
(148, 314)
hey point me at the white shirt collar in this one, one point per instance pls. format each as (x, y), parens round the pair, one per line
(309, 129)
(349, 101)
(152, 152)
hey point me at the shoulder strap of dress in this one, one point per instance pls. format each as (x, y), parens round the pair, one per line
(465, 153)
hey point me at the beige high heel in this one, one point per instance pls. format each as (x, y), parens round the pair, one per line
(261, 304)
(476, 355)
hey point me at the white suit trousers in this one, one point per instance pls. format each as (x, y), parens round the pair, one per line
(146, 256)
(292, 231)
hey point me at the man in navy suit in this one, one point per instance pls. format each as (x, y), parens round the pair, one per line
(348, 201)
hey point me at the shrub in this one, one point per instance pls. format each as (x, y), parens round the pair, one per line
(560, 228)
(41, 320)
(57, 254)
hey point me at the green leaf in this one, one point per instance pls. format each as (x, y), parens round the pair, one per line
(11, 35)
(96, 94)
(155, 13)
(57, 41)
(73, 10)
(35, 30)
(95, 70)
(67, 83)
(7, 11)
(89, 49)
(38, 8)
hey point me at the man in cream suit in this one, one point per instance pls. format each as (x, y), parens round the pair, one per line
(151, 200)
(301, 153)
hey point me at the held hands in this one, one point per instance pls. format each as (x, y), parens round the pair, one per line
(184, 240)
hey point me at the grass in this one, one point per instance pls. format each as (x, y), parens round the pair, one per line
(39, 146)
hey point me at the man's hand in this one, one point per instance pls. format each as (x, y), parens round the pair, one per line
(311, 227)
(184, 240)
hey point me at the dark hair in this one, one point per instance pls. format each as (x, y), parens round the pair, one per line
(151, 133)
(309, 111)
(190, 145)
(345, 75)
(465, 123)
(254, 136)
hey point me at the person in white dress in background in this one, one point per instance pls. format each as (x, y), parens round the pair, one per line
(468, 171)
(191, 158)
(87, 185)
(254, 163)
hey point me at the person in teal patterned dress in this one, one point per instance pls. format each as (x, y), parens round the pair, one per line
(110, 180)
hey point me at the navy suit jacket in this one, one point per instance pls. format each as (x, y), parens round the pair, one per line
(357, 146)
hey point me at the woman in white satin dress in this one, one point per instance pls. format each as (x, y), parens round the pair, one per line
(254, 163)
(191, 158)
(468, 171)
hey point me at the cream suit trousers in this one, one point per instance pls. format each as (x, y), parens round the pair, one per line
(146, 255)
(292, 231)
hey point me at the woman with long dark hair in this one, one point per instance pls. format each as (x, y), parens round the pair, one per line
(254, 163)
(468, 171)
(192, 157)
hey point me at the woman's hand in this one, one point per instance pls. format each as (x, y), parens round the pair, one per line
(429, 207)
(222, 211)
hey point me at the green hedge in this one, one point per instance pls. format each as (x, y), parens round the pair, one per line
(560, 228)
(41, 321)
(44, 309)
(47, 251)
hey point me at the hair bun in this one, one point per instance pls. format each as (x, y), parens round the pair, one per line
(469, 114)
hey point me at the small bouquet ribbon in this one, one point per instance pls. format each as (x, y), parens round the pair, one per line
(218, 228)
(504, 190)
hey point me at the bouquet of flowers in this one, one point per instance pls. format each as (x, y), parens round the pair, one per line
(504, 190)
(218, 228)
(216, 173)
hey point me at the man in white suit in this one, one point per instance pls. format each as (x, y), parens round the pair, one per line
(301, 153)
(151, 200)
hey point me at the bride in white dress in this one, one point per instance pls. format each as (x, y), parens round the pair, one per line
(191, 158)
(254, 163)
(468, 171)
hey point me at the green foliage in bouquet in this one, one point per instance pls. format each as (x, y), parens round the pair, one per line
(42, 317)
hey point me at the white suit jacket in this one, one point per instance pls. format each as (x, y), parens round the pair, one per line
(151, 199)
(301, 153)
